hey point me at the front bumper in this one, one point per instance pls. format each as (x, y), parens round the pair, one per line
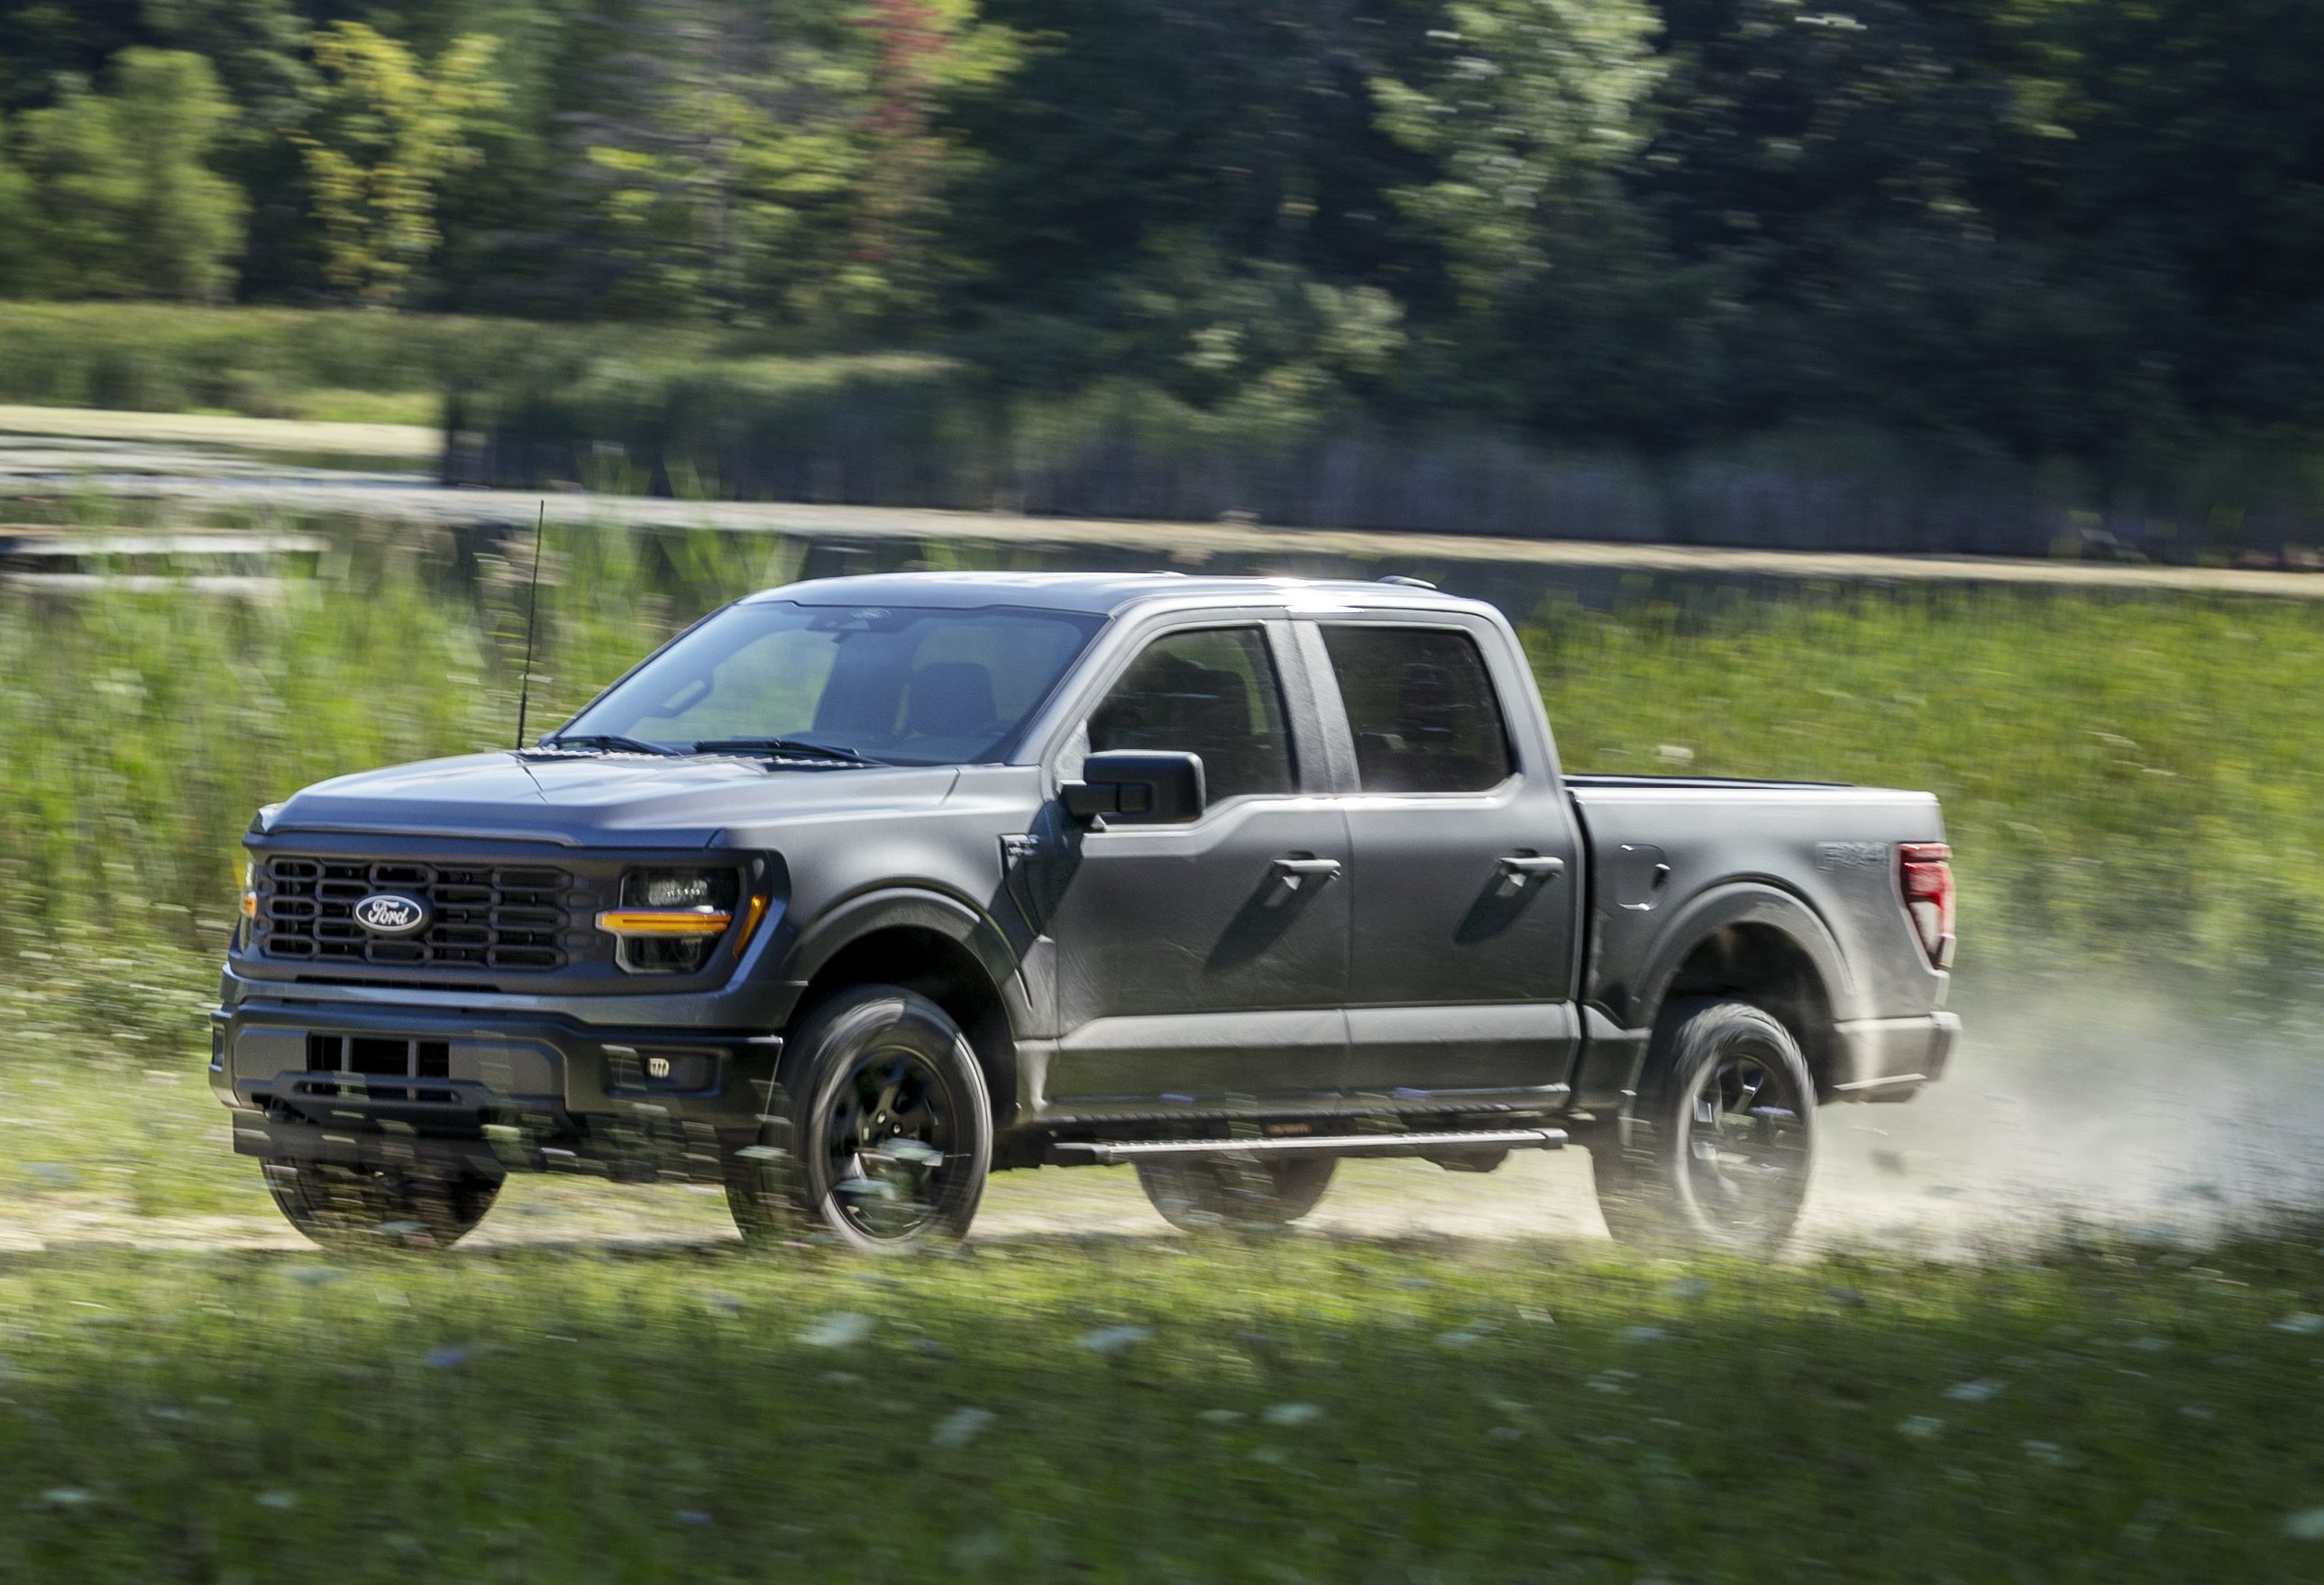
(483, 1090)
(1889, 1059)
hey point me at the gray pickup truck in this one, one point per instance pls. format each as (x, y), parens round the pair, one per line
(861, 889)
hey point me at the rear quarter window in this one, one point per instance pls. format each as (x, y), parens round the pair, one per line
(1421, 707)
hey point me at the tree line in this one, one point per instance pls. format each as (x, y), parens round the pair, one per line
(2044, 228)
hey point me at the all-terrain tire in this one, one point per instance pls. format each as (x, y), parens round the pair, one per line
(1720, 1146)
(353, 1209)
(881, 1130)
(1207, 1192)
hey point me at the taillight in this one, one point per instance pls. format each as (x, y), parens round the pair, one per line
(1928, 877)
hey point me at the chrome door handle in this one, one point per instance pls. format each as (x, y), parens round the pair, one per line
(1292, 872)
(1522, 867)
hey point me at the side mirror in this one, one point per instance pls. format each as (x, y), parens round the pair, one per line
(1130, 786)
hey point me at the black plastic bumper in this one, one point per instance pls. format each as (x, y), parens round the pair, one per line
(484, 1091)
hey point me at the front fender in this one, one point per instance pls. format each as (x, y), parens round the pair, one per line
(894, 907)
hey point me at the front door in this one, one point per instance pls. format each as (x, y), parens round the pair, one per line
(1203, 961)
(1466, 872)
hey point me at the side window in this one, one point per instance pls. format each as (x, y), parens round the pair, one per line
(1421, 708)
(1212, 692)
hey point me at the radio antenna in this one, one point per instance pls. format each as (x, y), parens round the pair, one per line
(531, 616)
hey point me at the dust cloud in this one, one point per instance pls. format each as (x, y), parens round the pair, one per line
(2096, 1106)
(2087, 1108)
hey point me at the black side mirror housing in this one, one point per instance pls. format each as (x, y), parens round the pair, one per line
(1130, 787)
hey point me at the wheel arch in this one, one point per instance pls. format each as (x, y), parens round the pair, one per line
(1761, 944)
(930, 943)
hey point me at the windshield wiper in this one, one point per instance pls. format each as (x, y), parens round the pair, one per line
(609, 742)
(783, 747)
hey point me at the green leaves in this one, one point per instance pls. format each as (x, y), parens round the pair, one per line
(382, 131)
(113, 193)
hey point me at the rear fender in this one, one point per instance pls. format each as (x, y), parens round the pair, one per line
(1737, 903)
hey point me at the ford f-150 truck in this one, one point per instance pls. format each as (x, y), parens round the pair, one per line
(863, 889)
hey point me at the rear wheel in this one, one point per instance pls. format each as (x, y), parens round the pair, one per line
(354, 1208)
(882, 1134)
(1718, 1153)
(1204, 1193)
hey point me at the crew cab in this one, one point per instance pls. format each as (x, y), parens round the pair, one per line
(863, 889)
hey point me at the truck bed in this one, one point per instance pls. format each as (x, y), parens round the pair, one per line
(1659, 846)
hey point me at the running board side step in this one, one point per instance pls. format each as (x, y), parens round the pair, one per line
(1321, 1145)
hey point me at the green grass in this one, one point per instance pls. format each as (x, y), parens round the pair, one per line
(1296, 1408)
(355, 364)
(2132, 781)
(422, 409)
(139, 732)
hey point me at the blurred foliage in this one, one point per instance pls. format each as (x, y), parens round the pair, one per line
(264, 362)
(142, 732)
(112, 195)
(386, 130)
(2030, 229)
(2125, 780)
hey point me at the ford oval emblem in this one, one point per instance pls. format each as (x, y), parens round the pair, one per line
(391, 912)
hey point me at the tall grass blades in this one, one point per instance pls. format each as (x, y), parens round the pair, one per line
(140, 731)
(2138, 781)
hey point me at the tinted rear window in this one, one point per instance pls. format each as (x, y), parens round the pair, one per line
(1421, 707)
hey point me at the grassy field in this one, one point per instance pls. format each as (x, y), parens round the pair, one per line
(2131, 781)
(1300, 1408)
(354, 365)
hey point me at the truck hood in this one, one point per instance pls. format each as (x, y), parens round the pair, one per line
(601, 800)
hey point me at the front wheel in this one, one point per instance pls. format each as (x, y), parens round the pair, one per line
(353, 1207)
(1718, 1153)
(1207, 1192)
(882, 1130)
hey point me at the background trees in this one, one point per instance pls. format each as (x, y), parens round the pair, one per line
(382, 130)
(111, 191)
(2031, 228)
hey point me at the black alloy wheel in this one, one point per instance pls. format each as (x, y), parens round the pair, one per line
(879, 1131)
(1720, 1148)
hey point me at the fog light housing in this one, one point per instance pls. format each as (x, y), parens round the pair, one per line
(670, 920)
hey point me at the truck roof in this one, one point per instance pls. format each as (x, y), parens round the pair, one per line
(1097, 593)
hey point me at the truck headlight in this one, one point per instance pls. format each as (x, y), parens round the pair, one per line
(670, 919)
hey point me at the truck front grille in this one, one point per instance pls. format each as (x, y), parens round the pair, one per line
(501, 917)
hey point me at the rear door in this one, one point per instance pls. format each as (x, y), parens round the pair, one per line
(1465, 876)
(1205, 961)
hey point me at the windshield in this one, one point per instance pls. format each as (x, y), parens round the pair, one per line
(904, 685)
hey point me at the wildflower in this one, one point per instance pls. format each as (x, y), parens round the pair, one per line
(837, 1329)
(1113, 1340)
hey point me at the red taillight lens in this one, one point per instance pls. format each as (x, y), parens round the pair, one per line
(1928, 877)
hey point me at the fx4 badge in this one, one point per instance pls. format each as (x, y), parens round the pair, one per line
(1853, 855)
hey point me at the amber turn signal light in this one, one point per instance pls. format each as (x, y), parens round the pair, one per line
(664, 921)
(752, 912)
